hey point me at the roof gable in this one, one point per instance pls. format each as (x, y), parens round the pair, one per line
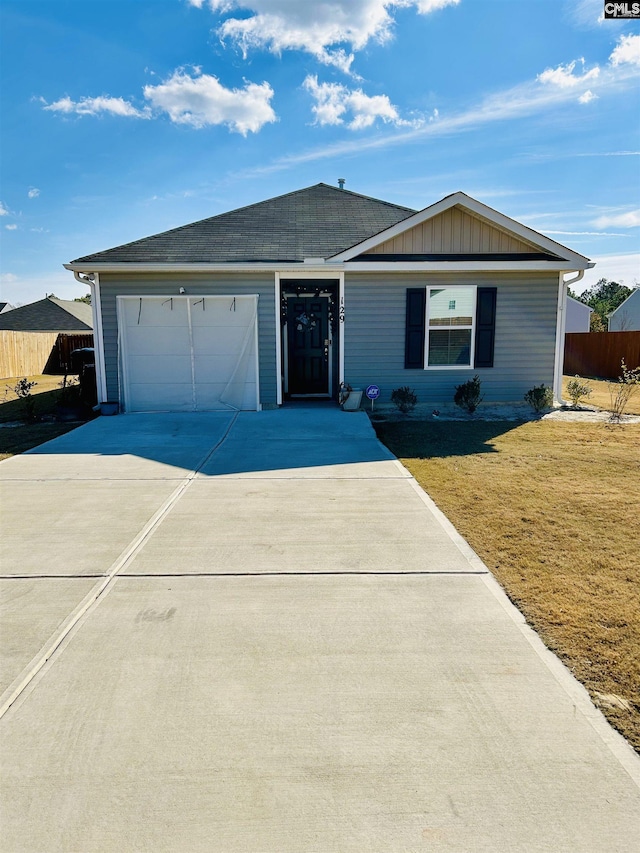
(318, 221)
(454, 231)
(633, 297)
(460, 226)
(579, 306)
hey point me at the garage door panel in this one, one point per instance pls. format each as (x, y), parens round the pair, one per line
(149, 368)
(162, 397)
(215, 340)
(156, 311)
(209, 366)
(223, 311)
(208, 395)
(185, 353)
(159, 339)
(211, 396)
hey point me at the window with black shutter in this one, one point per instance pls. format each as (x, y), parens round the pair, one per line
(414, 333)
(485, 326)
(443, 322)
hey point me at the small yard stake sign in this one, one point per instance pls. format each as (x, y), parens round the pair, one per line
(372, 392)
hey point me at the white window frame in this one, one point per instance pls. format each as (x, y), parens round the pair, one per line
(427, 329)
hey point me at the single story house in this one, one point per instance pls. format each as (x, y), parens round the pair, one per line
(291, 297)
(578, 316)
(626, 317)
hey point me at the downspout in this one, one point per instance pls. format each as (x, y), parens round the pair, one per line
(561, 325)
(93, 280)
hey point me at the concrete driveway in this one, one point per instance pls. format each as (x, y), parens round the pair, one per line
(256, 633)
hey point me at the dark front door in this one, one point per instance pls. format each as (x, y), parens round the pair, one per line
(308, 345)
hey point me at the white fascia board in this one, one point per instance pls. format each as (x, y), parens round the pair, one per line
(177, 268)
(461, 266)
(488, 213)
(331, 269)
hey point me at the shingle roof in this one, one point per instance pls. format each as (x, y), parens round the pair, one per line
(316, 222)
(49, 315)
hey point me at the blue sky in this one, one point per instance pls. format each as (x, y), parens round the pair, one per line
(123, 118)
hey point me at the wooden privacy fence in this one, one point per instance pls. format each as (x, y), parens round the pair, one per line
(33, 353)
(600, 353)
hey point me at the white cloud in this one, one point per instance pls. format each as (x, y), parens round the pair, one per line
(317, 27)
(12, 227)
(198, 100)
(630, 219)
(34, 192)
(3, 210)
(587, 97)
(95, 106)
(563, 75)
(529, 98)
(202, 100)
(20, 290)
(426, 6)
(587, 13)
(623, 268)
(627, 51)
(334, 102)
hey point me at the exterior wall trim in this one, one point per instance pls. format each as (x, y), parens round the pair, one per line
(560, 330)
(332, 268)
(98, 343)
(298, 273)
(278, 297)
(460, 266)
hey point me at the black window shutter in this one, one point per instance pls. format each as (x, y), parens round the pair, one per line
(485, 326)
(414, 332)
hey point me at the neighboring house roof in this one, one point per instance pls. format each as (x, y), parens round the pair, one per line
(627, 313)
(5, 306)
(318, 221)
(49, 315)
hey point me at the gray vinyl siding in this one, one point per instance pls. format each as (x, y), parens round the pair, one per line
(374, 330)
(196, 285)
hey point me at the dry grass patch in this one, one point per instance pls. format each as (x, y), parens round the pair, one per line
(600, 395)
(17, 439)
(552, 509)
(45, 394)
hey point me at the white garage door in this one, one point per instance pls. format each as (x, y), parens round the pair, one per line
(188, 353)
